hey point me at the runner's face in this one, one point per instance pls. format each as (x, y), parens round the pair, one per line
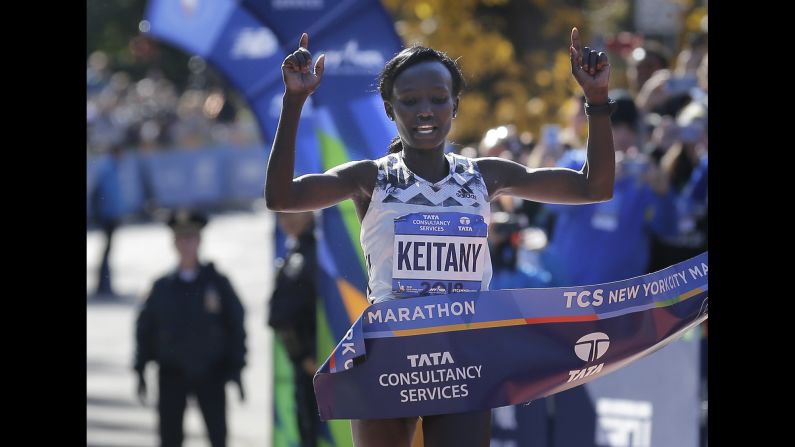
(423, 105)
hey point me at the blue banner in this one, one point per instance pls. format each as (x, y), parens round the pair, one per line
(357, 37)
(436, 354)
(194, 26)
(187, 178)
(130, 182)
(652, 402)
(655, 401)
(211, 176)
(244, 171)
(243, 48)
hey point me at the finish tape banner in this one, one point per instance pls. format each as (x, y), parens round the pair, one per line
(478, 350)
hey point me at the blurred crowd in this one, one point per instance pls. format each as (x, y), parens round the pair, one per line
(658, 213)
(152, 113)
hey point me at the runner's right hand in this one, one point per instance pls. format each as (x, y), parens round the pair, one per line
(299, 78)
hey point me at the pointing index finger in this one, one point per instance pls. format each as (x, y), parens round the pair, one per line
(304, 40)
(575, 39)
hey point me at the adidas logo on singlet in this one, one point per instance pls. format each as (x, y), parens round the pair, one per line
(465, 193)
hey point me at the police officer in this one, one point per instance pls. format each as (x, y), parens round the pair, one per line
(292, 315)
(192, 326)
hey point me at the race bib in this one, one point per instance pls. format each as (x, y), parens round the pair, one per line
(438, 253)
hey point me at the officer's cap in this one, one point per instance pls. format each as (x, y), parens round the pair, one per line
(187, 221)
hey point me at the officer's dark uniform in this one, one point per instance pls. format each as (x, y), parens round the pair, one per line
(292, 315)
(194, 331)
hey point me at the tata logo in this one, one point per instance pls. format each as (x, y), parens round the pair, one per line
(254, 43)
(464, 221)
(589, 349)
(432, 359)
(352, 60)
(592, 346)
(189, 6)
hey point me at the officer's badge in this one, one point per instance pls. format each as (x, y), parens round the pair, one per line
(212, 302)
(294, 265)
